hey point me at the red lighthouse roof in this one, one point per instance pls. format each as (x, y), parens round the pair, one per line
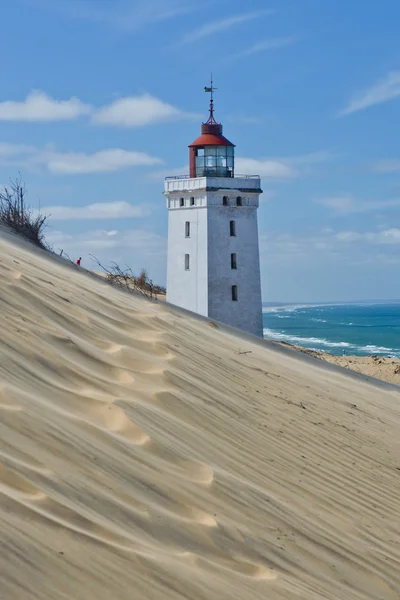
(210, 139)
(211, 131)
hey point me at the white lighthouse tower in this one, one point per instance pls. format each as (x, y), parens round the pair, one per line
(213, 264)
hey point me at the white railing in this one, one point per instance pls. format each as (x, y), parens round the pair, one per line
(172, 177)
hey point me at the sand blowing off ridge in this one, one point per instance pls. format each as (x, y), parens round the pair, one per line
(142, 457)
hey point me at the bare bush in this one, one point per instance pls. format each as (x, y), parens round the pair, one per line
(125, 278)
(18, 216)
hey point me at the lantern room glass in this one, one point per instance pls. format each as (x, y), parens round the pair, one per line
(215, 161)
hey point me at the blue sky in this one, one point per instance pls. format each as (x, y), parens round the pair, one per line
(100, 99)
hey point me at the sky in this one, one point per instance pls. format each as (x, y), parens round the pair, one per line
(100, 98)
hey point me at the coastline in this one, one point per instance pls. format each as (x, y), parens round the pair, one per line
(385, 368)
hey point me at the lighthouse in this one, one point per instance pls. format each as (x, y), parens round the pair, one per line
(213, 265)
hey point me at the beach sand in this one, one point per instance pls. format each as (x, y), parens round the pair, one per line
(381, 367)
(146, 454)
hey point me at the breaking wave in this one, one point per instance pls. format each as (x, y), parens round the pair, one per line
(315, 343)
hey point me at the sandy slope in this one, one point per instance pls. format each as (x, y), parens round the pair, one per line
(380, 367)
(143, 457)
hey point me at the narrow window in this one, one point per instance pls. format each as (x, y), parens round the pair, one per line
(233, 261)
(187, 229)
(225, 200)
(182, 202)
(239, 201)
(234, 293)
(232, 228)
(187, 262)
(192, 201)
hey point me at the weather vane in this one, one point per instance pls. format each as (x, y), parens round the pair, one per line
(210, 90)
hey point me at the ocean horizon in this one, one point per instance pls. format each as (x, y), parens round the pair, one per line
(355, 328)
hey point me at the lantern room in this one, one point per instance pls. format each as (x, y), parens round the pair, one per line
(211, 154)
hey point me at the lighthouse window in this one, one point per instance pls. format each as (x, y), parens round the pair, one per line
(214, 161)
(182, 202)
(187, 262)
(234, 293)
(232, 228)
(233, 261)
(192, 201)
(239, 201)
(187, 229)
(225, 200)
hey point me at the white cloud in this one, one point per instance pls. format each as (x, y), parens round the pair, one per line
(220, 25)
(345, 204)
(263, 46)
(74, 163)
(383, 91)
(345, 248)
(98, 210)
(137, 111)
(7, 150)
(280, 168)
(272, 168)
(137, 248)
(386, 236)
(387, 166)
(105, 161)
(39, 107)
(133, 111)
(163, 173)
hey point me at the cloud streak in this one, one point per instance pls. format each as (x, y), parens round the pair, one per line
(264, 46)
(110, 160)
(122, 15)
(143, 242)
(383, 91)
(220, 25)
(97, 211)
(345, 204)
(387, 166)
(105, 161)
(280, 168)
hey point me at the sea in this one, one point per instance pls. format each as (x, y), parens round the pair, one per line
(359, 329)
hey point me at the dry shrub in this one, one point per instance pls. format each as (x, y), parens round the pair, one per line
(125, 278)
(15, 213)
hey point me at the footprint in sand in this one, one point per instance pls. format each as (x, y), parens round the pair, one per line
(13, 274)
(122, 376)
(197, 516)
(197, 472)
(112, 348)
(8, 402)
(27, 463)
(108, 416)
(237, 566)
(71, 519)
(14, 485)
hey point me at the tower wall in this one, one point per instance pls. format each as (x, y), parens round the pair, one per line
(187, 288)
(246, 312)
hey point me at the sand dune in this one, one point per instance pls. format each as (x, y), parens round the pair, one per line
(142, 456)
(381, 367)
